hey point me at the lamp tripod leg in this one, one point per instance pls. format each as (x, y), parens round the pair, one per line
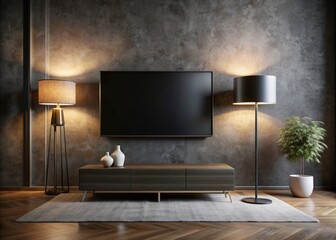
(61, 157)
(63, 160)
(66, 160)
(55, 164)
(48, 158)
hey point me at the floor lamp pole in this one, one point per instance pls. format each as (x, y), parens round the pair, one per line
(256, 199)
(256, 152)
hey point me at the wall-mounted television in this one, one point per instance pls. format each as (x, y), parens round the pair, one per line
(156, 103)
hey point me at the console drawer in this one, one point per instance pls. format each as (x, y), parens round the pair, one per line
(104, 179)
(209, 179)
(158, 179)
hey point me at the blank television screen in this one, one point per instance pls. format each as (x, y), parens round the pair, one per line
(156, 104)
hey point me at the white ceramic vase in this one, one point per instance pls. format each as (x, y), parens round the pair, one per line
(118, 156)
(107, 160)
(301, 185)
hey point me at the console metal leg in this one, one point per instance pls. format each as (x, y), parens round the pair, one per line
(84, 195)
(159, 197)
(226, 193)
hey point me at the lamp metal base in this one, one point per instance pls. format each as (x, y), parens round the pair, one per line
(253, 200)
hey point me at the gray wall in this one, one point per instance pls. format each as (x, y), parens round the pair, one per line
(292, 39)
(11, 83)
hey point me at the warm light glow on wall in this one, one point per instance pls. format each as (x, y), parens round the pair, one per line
(250, 52)
(241, 124)
(70, 66)
(243, 63)
(80, 56)
(72, 55)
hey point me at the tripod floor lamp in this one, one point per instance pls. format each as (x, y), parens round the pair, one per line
(57, 92)
(255, 90)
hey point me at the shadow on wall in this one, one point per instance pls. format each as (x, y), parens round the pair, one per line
(11, 129)
(223, 100)
(329, 115)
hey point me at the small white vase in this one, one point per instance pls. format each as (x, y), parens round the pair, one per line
(301, 186)
(107, 160)
(118, 156)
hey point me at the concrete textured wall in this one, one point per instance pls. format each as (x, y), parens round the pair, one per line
(292, 39)
(11, 83)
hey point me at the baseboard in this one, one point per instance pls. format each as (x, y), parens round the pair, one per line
(31, 188)
(75, 188)
(262, 187)
(325, 188)
(22, 188)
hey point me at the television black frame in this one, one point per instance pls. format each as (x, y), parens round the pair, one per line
(160, 136)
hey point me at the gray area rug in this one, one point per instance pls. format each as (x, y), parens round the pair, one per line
(172, 208)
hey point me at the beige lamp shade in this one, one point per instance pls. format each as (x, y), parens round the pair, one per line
(53, 92)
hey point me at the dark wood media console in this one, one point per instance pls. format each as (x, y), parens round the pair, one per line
(158, 178)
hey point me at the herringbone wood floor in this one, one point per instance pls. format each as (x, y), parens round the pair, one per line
(322, 205)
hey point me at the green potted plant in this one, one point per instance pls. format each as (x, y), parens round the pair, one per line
(301, 140)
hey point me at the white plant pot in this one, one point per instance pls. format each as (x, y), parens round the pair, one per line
(301, 186)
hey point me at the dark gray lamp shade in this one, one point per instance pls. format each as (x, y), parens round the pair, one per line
(249, 90)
